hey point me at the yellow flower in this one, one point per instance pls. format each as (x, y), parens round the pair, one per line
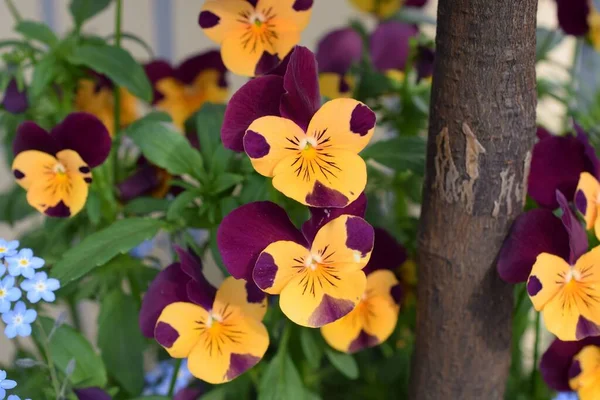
(584, 373)
(254, 35)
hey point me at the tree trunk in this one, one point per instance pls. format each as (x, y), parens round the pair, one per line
(482, 128)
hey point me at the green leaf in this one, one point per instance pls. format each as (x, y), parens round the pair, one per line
(226, 181)
(67, 344)
(166, 148)
(208, 121)
(220, 160)
(344, 363)
(155, 116)
(401, 153)
(37, 31)
(14, 206)
(99, 247)
(311, 349)
(43, 75)
(117, 64)
(179, 204)
(121, 341)
(146, 205)
(281, 380)
(136, 39)
(82, 10)
(92, 207)
(547, 40)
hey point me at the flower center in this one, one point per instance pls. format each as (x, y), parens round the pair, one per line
(2, 293)
(3, 249)
(59, 169)
(23, 263)
(572, 276)
(312, 262)
(40, 286)
(17, 319)
(214, 322)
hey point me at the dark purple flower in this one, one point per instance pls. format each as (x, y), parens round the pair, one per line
(424, 62)
(321, 216)
(387, 252)
(181, 281)
(189, 394)
(573, 16)
(339, 50)
(557, 360)
(415, 3)
(15, 100)
(92, 393)
(390, 45)
(556, 164)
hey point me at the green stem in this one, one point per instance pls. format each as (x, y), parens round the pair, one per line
(117, 90)
(174, 378)
(13, 11)
(536, 350)
(53, 376)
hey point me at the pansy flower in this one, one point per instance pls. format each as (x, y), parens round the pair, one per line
(15, 101)
(390, 48)
(565, 290)
(318, 274)
(95, 95)
(180, 91)
(55, 167)
(557, 163)
(580, 18)
(374, 319)
(254, 35)
(585, 373)
(385, 8)
(336, 53)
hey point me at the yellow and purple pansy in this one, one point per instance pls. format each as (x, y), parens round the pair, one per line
(385, 8)
(219, 331)
(181, 91)
(580, 18)
(374, 319)
(55, 168)
(310, 152)
(15, 100)
(390, 48)
(255, 35)
(95, 95)
(557, 163)
(565, 290)
(318, 275)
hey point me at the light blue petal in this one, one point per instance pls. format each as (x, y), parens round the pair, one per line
(4, 306)
(13, 397)
(26, 253)
(34, 296)
(13, 244)
(27, 285)
(37, 262)
(2, 394)
(29, 316)
(7, 317)
(28, 272)
(10, 331)
(2, 375)
(24, 330)
(13, 294)
(2, 269)
(48, 296)
(7, 282)
(53, 284)
(20, 308)
(8, 384)
(14, 270)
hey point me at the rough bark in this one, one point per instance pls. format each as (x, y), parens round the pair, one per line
(482, 128)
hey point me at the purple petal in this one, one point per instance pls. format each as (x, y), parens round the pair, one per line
(189, 70)
(266, 63)
(556, 164)
(363, 341)
(557, 360)
(30, 136)
(323, 196)
(387, 252)
(142, 182)
(60, 210)
(169, 286)
(578, 241)
(85, 134)
(189, 394)
(255, 144)
(321, 216)
(165, 334)
(591, 162)
(415, 3)
(390, 45)
(329, 310)
(586, 328)
(207, 19)
(424, 62)
(573, 16)
(533, 285)
(542, 133)
(360, 235)
(302, 5)
(302, 98)
(248, 230)
(157, 70)
(534, 232)
(338, 50)
(240, 363)
(92, 393)
(199, 290)
(282, 67)
(246, 106)
(15, 101)
(362, 120)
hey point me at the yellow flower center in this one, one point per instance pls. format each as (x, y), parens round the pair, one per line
(2, 292)
(60, 172)
(219, 329)
(23, 262)
(313, 158)
(594, 33)
(3, 249)
(260, 29)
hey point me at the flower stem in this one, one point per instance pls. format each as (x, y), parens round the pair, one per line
(174, 378)
(13, 11)
(53, 376)
(536, 349)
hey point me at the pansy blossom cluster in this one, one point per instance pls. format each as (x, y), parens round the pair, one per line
(19, 273)
(552, 256)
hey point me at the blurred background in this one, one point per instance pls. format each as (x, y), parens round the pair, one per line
(170, 27)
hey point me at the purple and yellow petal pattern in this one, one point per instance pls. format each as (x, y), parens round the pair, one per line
(587, 200)
(580, 18)
(318, 167)
(372, 321)
(320, 284)
(557, 360)
(584, 374)
(221, 342)
(255, 36)
(390, 47)
(55, 168)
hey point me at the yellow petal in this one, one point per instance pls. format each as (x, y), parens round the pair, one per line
(177, 328)
(585, 368)
(347, 123)
(221, 18)
(269, 140)
(543, 284)
(284, 9)
(331, 85)
(233, 293)
(586, 198)
(278, 264)
(31, 166)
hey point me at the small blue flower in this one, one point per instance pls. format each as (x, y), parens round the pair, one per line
(18, 321)
(143, 249)
(159, 379)
(40, 287)
(8, 249)
(8, 293)
(566, 396)
(5, 384)
(24, 263)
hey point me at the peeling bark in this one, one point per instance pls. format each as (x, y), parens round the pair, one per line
(482, 128)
